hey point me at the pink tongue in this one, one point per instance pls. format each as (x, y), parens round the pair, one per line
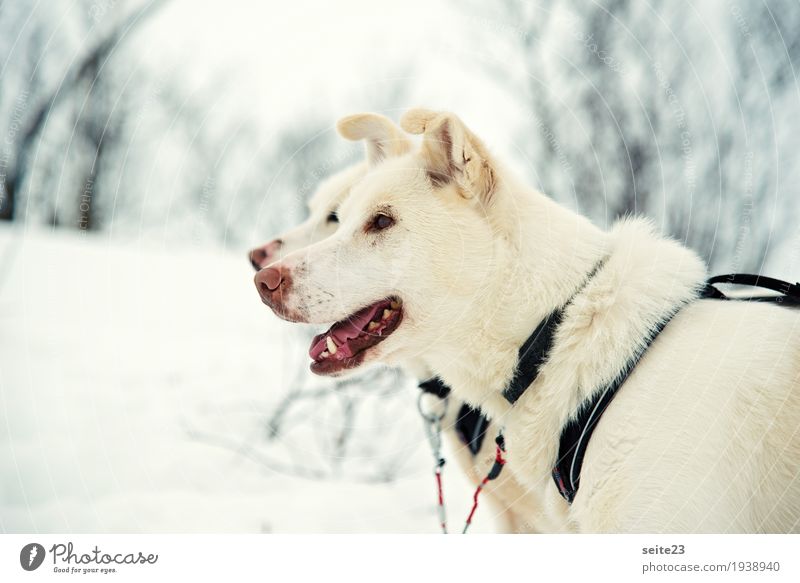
(344, 331)
(317, 348)
(354, 326)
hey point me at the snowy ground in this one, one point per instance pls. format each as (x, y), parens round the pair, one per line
(134, 387)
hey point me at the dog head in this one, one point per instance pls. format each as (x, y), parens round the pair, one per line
(321, 222)
(413, 251)
(383, 139)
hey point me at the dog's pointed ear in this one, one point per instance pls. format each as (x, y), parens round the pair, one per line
(452, 153)
(383, 138)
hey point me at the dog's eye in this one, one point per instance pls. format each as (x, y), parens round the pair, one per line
(381, 222)
(333, 217)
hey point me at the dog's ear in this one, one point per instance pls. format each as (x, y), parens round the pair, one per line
(452, 153)
(383, 138)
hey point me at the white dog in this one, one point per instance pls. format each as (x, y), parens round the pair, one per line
(513, 509)
(383, 139)
(442, 256)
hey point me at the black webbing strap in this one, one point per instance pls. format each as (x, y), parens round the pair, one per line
(436, 387)
(536, 348)
(499, 460)
(788, 292)
(532, 355)
(576, 433)
(470, 424)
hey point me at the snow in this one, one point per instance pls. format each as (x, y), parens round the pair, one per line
(134, 385)
(140, 375)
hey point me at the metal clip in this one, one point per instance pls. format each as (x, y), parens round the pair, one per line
(433, 430)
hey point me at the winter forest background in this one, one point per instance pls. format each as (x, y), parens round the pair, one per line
(145, 145)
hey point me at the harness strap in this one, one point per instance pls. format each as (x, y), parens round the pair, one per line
(535, 350)
(435, 387)
(532, 355)
(789, 292)
(470, 424)
(575, 435)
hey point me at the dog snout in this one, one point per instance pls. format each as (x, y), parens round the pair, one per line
(262, 256)
(270, 279)
(273, 284)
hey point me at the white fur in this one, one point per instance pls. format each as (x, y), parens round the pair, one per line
(382, 139)
(325, 200)
(703, 436)
(513, 509)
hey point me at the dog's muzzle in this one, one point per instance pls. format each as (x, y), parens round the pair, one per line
(273, 284)
(262, 256)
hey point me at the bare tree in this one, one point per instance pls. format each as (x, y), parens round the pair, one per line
(79, 82)
(296, 442)
(641, 108)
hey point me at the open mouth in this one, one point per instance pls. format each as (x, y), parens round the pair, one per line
(345, 343)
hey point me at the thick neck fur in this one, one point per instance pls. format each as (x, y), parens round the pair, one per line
(544, 253)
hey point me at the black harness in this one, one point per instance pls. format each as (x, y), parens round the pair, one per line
(471, 425)
(576, 433)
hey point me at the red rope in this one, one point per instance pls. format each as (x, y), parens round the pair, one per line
(440, 492)
(475, 503)
(499, 461)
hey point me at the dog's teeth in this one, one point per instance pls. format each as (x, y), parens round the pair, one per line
(386, 314)
(373, 326)
(330, 344)
(395, 305)
(325, 354)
